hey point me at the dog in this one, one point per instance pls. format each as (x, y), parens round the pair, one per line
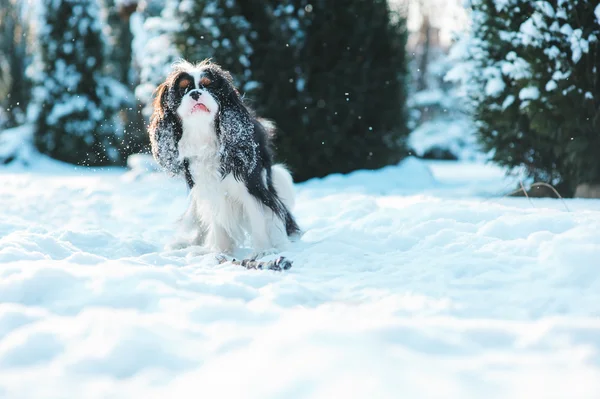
(202, 130)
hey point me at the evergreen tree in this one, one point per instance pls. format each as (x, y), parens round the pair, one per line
(216, 29)
(280, 28)
(14, 85)
(75, 105)
(531, 72)
(333, 80)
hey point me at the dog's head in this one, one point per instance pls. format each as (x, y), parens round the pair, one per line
(195, 93)
(203, 99)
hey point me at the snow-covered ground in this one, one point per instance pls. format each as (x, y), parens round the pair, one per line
(415, 281)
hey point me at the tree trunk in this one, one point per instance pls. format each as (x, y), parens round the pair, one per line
(13, 48)
(424, 60)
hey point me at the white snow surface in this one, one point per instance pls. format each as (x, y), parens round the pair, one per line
(411, 281)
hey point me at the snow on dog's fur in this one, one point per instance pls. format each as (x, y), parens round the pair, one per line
(201, 129)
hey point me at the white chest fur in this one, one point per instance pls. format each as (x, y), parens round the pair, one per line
(199, 139)
(219, 200)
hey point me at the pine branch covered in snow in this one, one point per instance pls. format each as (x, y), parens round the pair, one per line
(74, 105)
(530, 71)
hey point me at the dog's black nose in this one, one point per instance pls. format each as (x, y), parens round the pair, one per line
(195, 95)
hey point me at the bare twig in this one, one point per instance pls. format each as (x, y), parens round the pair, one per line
(524, 190)
(555, 192)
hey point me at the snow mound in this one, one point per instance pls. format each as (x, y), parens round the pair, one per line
(409, 174)
(400, 288)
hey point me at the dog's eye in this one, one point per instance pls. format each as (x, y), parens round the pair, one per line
(205, 82)
(184, 85)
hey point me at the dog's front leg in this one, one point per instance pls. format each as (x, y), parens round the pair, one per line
(219, 240)
(191, 229)
(258, 218)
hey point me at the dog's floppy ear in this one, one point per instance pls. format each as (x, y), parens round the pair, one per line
(160, 100)
(236, 131)
(244, 152)
(165, 131)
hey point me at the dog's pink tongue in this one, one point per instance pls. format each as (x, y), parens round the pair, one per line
(200, 107)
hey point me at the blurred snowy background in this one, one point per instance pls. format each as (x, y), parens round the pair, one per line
(351, 85)
(77, 77)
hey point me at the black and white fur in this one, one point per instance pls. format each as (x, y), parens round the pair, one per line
(201, 129)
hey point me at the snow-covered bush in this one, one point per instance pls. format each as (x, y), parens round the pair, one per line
(531, 72)
(74, 106)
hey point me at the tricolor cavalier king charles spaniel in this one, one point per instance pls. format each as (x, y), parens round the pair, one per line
(202, 130)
